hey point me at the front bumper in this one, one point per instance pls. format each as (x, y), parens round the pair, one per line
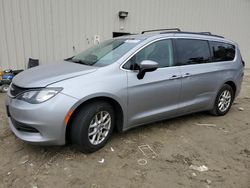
(45, 121)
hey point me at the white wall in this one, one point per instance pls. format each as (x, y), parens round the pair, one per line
(49, 29)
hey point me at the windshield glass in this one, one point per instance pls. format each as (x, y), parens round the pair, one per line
(105, 53)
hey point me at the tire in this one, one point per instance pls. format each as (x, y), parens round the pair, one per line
(218, 109)
(4, 88)
(88, 121)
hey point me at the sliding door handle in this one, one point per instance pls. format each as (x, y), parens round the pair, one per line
(186, 75)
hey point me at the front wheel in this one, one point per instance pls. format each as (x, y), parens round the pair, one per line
(223, 101)
(92, 126)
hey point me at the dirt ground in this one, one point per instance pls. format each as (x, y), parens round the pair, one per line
(223, 147)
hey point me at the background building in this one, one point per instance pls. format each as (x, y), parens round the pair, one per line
(55, 29)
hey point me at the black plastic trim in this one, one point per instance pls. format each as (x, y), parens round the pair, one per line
(23, 127)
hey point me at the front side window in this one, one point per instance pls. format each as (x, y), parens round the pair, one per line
(222, 51)
(105, 53)
(192, 51)
(159, 51)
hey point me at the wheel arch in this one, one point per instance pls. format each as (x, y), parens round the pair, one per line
(228, 82)
(233, 85)
(119, 112)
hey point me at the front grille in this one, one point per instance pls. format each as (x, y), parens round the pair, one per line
(23, 127)
(15, 90)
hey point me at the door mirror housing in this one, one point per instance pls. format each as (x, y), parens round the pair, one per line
(146, 66)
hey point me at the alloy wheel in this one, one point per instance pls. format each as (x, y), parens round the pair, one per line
(224, 100)
(99, 127)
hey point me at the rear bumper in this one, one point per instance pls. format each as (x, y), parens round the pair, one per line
(239, 80)
(41, 124)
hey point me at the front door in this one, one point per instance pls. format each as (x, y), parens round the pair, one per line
(156, 96)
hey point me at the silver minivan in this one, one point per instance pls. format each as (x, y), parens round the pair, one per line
(123, 83)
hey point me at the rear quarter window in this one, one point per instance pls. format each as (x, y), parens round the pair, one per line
(222, 51)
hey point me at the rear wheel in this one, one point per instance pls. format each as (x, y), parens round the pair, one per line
(223, 101)
(92, 126)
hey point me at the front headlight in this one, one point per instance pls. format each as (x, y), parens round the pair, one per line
(38, 96)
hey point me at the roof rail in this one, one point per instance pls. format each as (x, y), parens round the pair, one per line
(195, 33)
(170, 29)
(206, 32)
(177, 30)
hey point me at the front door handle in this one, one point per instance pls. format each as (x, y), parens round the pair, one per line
(173, 77)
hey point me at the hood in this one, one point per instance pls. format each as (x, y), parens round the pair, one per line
(43, 75)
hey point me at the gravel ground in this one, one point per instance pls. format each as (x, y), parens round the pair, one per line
(171, 148)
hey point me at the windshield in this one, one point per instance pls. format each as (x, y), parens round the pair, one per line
(105, 53)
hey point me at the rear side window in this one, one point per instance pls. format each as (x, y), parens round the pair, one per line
(222, 51)
(192, 51)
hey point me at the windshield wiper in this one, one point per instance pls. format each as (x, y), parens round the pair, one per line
(69, 58)
(79, 61)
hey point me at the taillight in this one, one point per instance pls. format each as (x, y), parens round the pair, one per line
(242, 61)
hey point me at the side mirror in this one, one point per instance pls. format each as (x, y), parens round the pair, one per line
(146, 66)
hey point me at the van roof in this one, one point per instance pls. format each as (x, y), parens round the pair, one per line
(184, 34)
